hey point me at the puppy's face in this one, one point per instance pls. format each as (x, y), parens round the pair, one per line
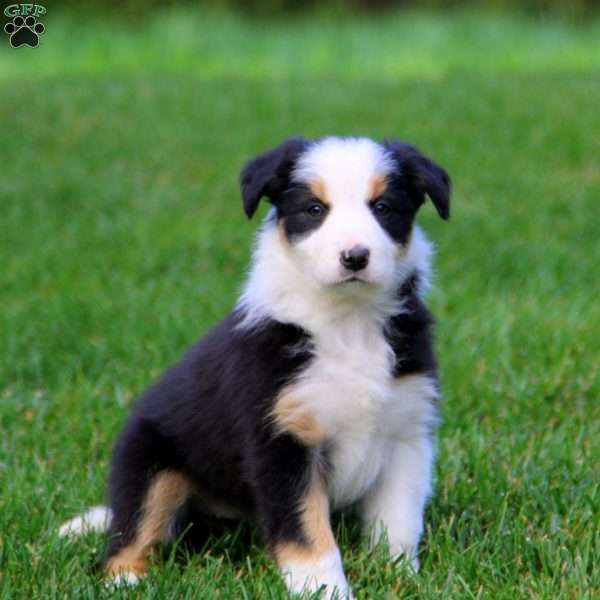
(345, 206)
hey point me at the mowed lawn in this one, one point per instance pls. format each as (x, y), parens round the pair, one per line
(123, 239)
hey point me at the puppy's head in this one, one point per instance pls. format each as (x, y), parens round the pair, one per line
(345, 207)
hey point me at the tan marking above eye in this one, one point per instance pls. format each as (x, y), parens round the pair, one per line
(319, 189)
(378, 186)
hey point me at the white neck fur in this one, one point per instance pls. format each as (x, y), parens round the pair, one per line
(277, 289)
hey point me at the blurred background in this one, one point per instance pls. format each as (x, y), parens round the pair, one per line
(122, 240)
(561, 8)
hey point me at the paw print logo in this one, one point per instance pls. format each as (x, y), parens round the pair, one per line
(24, 31)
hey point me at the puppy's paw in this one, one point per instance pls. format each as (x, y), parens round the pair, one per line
(324, 575)
(123, 578)
(408, 558)
(401, 547)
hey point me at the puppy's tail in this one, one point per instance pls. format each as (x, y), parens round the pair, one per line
(96, 519)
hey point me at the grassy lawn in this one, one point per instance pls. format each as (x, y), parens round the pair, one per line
(123, 239)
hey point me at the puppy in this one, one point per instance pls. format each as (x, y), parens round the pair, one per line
(318, 392)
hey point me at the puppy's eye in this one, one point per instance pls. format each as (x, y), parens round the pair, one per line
(316, 210)
(381, 208)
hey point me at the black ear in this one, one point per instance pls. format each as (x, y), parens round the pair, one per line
(268, 174)
(423, 175)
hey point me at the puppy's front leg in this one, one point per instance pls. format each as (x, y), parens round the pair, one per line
(294, 511)
(394, 507)
(312, 559)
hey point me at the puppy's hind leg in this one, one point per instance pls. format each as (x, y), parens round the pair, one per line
(145, 497)
(132, 545)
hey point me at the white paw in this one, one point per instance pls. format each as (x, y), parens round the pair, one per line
(126, 578)
(403, 546)
(325, 574)
(96, 518)
(409, 557)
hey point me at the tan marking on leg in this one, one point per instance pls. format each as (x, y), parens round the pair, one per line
(128, 560)
(166, 494)
(290, 416)
(316, 528)
(378, 186)
(319, 189)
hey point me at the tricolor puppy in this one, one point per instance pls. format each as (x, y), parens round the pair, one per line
(317, 392)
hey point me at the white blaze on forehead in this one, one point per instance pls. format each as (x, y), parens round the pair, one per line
(346, 166)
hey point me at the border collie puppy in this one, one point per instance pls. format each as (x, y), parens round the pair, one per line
(317, 392)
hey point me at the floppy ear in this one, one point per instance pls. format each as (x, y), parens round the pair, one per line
(268, 174)
(424, 176)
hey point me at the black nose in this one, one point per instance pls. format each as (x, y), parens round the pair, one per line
(356, 258)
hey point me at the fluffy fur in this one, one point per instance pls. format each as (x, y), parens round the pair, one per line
(318, 392)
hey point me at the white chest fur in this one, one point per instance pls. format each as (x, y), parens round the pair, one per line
(352, 378)
(350, 392)
(358, 455)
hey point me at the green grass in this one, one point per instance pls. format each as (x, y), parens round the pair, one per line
(123, 239)
(209, 46)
